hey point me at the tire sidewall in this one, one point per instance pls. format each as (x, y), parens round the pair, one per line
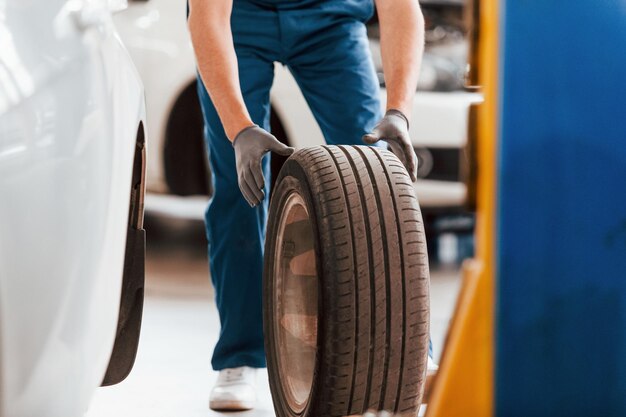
(292, 178)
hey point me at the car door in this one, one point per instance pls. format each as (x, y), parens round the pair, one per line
(62, 225)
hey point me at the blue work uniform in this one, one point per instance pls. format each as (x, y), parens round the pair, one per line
(325, 46)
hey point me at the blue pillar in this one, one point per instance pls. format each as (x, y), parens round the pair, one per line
(561, 248)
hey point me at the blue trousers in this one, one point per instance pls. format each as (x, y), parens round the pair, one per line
(325, 46)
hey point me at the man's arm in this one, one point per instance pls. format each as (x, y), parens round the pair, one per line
(212, 38)
(402, 46)
(209, 25)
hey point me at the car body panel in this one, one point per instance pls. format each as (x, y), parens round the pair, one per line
(156, 35)
(70, 106)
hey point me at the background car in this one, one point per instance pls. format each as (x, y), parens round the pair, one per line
(156, 34)
(72, 156)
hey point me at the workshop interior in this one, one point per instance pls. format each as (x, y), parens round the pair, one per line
(312, 208)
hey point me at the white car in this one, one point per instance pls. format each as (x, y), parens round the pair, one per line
(72, 154)
(156, 34)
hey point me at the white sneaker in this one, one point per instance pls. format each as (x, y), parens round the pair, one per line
(235, 390)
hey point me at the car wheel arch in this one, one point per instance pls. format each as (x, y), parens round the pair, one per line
(132, 292)
(184, 119)
(171, 156)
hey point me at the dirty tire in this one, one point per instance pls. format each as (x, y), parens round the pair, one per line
(346, 285)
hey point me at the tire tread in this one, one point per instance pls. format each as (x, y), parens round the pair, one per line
(373, 270)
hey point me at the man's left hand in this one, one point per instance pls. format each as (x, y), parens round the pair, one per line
(394, 129)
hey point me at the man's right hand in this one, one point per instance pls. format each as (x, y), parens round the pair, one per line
(250, 145)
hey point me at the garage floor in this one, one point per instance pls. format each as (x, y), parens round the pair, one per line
(172, 375)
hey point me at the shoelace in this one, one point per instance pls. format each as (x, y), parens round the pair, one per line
(231, 375)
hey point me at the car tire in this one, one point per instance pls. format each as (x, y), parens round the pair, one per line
(346, 285)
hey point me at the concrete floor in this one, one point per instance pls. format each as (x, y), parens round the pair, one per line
(172, 375)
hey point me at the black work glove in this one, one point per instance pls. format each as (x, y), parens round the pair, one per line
(394, 129)
(250, 145)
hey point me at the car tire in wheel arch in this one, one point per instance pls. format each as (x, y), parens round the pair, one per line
(346, 285)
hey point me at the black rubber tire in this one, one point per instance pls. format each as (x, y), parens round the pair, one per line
(373, 282)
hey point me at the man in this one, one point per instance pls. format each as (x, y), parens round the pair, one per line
(324, 44)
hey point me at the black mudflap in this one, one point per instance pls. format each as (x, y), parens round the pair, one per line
(131, 309)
